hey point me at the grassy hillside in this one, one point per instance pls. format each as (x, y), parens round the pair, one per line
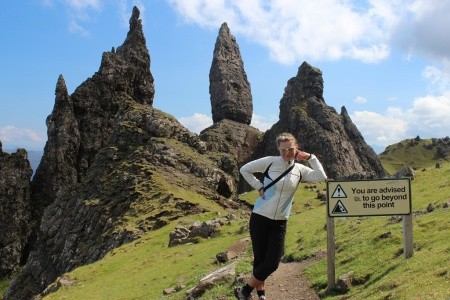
(417, 153)
(142, 269)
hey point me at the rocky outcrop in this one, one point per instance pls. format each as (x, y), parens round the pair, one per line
(229, 88)
(207, 229)
(320, 130)
(15, 174)
(235, 141)
(81, 124)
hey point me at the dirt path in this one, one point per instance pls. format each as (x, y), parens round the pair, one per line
(287, 283)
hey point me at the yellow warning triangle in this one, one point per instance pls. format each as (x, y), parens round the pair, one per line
(339, 192)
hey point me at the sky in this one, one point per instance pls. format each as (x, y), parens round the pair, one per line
(386, 61)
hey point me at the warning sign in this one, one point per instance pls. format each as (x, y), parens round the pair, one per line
(378, 197)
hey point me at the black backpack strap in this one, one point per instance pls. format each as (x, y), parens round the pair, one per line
(279, 177)
(266, 172)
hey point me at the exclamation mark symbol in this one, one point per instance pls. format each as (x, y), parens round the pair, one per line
(339, 193)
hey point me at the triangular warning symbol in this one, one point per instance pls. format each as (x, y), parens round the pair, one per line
(339, 208)
(339, 192)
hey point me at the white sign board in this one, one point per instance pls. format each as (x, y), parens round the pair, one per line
(375, 197)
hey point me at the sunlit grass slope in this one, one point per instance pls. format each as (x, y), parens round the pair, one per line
(416, 153)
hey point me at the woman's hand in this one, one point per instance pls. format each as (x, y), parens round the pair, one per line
(301, 155)
(261, 193)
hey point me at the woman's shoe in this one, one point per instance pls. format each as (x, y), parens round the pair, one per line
(239, 295)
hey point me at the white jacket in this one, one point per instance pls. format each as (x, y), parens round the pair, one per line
(278, 202)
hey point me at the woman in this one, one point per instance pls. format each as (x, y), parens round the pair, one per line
(271, 211)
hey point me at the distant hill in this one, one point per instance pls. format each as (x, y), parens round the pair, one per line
(417, 153)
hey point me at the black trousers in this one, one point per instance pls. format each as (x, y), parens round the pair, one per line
(268, 244)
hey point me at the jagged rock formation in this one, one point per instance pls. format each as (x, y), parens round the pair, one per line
(81, 124)
(229, 88)
(58, 167)
(15, 174)
(320, 130)
(124, 166)
(235, 141)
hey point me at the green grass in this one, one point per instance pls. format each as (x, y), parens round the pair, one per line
(416, 153)
(3, 286)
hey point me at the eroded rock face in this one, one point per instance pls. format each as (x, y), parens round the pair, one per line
(229, 88)
(235, 141)
(82, 123)
(58, 167)
(332, 137)
(15, 174)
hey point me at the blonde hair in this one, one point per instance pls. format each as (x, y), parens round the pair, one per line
(285, 137)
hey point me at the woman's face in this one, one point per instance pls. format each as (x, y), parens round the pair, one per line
(288, 150)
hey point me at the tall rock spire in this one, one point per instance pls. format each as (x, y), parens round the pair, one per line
(58, 167)
(229, 88)
(134, 51)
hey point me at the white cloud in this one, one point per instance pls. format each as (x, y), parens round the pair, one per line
(80, 12)
(380, 129)
(263, 123)
(197, 122)
(425, 28)
(439, 80)
(75, 28)
(77, 12)
(360, 100)
(11, 137)
(428, 118)
(295, 30)
(125, 10)
(81, 5)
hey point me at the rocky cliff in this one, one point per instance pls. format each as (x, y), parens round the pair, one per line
(321, 130)
(15, 212)
(81, 124)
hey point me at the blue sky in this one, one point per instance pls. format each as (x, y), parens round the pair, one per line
(386, 61)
